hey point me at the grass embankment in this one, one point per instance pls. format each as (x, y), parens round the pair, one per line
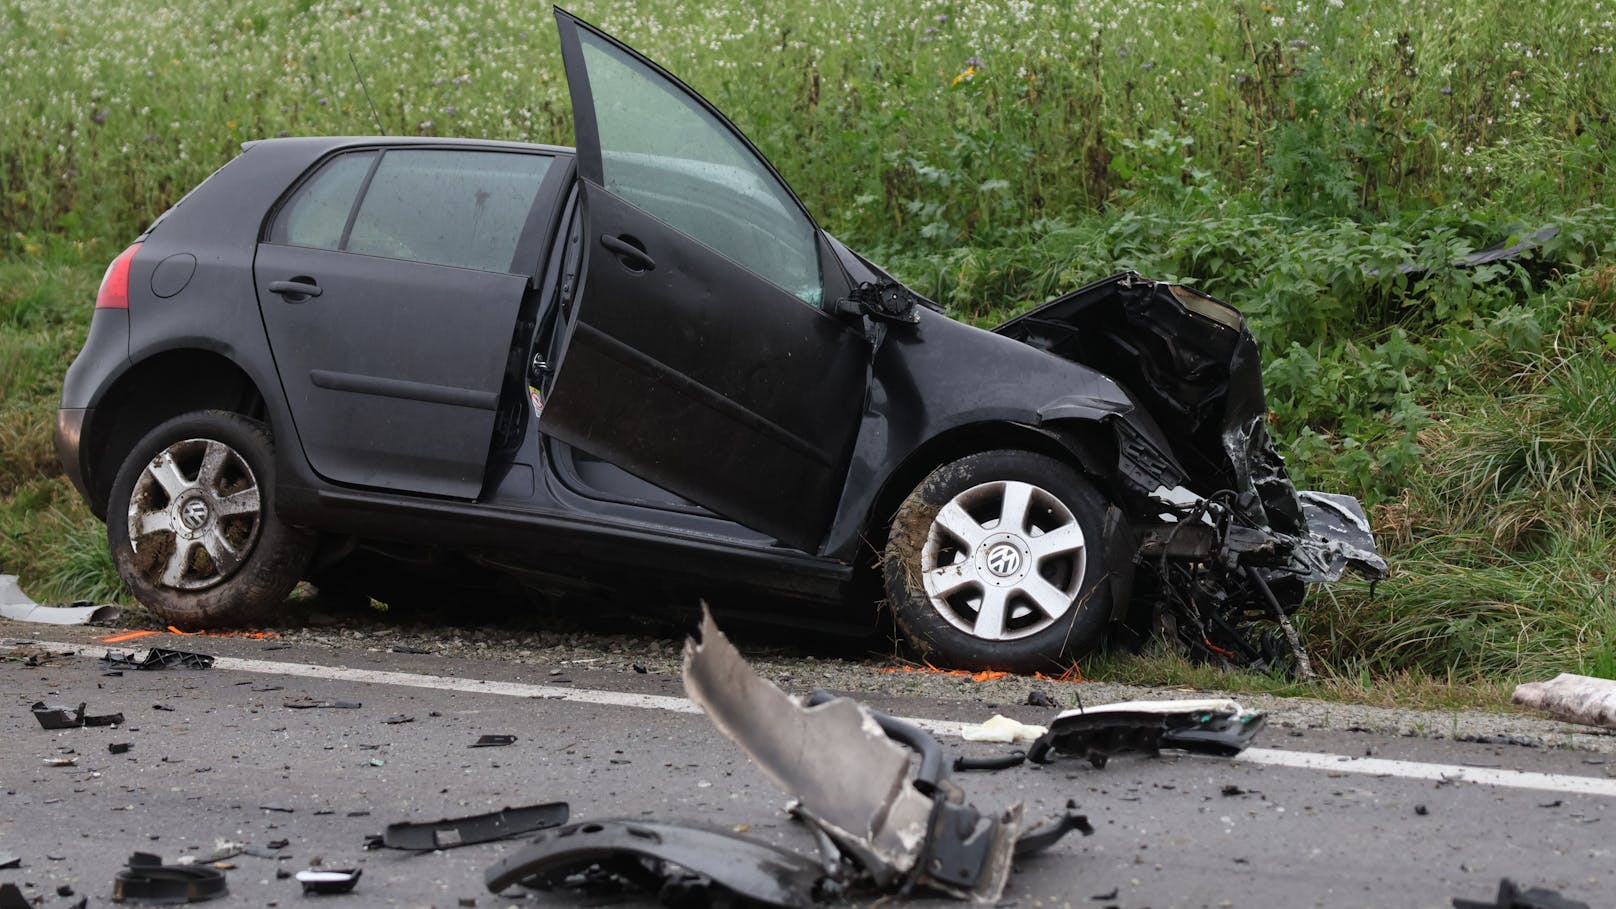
(1287, 157)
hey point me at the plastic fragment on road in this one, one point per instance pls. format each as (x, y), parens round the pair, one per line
(493, 741)
(328, 881)
(882, 820)
(684, 865)
(1216, 726)
(57, 717)
(148, 880)
(1573, 698)
(157, 658)
(1511, 896)
(17, 606)
(1003, 730)
(319, 704)
(12, 898)
(477, 828)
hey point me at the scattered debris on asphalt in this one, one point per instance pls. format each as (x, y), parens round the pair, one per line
(61, 762)
(477, 828)
(12, 898)
(1573, 698)
(328, 881)
(1511, 896)
(17, 606)
(158, 658)
(995, 762)
(405, 648)
(1004, 730)
(685, 866)
(7, 860)
(885, 827)
(1216, 726)
(307, 703)
(493, 741)
(50, 717)
(119, 747)
(399, 718)
(1037, 697)
(148, 880)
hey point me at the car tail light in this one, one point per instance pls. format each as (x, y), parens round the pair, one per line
(114, 292)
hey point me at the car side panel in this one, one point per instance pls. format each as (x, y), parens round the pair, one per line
(940, 375)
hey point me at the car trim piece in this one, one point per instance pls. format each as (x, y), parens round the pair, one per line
(401, 388)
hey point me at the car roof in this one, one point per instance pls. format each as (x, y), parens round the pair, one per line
(323, 144)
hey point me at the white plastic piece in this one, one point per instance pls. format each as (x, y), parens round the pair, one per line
(1003, 729)
(15, 605)
(1574, 698)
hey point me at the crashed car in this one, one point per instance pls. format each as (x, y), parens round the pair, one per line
(641, 358)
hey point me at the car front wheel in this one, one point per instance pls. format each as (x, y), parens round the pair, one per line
(192, 523)
(995, 562)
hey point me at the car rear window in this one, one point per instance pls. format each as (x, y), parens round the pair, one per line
(455, 207)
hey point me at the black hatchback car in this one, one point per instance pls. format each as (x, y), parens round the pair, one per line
(643, 357)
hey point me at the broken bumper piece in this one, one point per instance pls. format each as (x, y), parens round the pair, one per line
(1216, 726)
(50, 717)
(148, 880)
(892, 824)
(686, 866)
(478, 828)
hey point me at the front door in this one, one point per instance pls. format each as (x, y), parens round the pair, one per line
(700, 355)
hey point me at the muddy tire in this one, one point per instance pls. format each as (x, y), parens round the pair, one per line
(192, 525)
(995, 562)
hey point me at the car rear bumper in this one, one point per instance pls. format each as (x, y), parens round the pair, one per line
(69, 430)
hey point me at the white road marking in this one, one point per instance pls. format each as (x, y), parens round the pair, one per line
(1301, 760)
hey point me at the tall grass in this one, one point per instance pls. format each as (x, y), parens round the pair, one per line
(912, 125)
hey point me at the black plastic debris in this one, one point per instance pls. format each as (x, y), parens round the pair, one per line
(875, 790)
(7, 860)
(398, 719)
(148, 880)
(493, 741)
(158, 658)
(1510, 896)
(328, 881)
(119, 747)
(685, 866)
(993, 762)
(477, 828)
(316, 703)
(1213, 726)
(63, 718)
(12, 898)
(1040, 698)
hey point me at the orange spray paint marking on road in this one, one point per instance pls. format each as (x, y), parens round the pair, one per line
(126, 636)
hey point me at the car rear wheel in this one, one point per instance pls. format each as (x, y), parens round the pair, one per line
(192, 523)
(995, 562)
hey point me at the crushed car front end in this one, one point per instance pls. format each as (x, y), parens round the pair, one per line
(1220, 542)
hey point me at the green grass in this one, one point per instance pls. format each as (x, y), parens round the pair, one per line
(1287, 157)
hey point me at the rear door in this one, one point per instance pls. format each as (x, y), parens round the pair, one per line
(390, 282)
(699, 354)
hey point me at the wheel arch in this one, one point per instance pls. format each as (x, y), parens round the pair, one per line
(1085, 444)
(156, 389)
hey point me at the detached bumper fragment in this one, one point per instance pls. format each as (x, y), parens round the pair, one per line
(477, 828)
(1216, 726)
(890, 825)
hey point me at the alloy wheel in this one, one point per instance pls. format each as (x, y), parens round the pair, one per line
(194, 514)
(1003, 560)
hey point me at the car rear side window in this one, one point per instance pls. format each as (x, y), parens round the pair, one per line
(441, 206)
(318, 211)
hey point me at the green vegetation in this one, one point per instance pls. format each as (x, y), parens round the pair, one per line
(1286, 157)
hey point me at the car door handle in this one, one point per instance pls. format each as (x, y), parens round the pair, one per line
(629, 252)
(300, 287)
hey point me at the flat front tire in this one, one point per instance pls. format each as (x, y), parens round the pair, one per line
(995, 561)
(192, 525)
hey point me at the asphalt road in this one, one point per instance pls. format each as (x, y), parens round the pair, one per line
(217, 756)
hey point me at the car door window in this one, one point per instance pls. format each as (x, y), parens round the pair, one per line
(439, 206)
(316, 214)
(464, 208)
(667, 155)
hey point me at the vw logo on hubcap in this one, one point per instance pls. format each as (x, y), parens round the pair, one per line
(194, 513)
(1004, 560)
